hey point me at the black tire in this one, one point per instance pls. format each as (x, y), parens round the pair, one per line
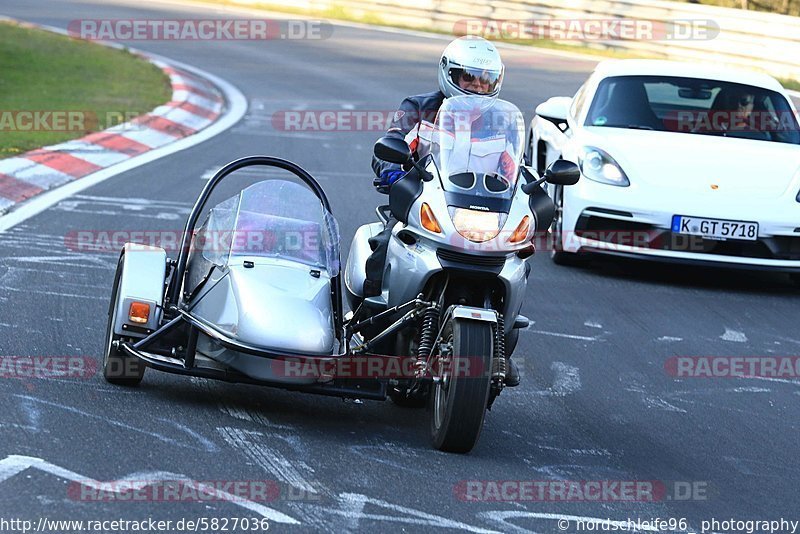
(119, 368)
(458, 401)
(557, 252)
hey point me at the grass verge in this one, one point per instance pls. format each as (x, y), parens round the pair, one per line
(43, 72)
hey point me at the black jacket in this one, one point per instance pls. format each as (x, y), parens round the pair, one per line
(413, 112)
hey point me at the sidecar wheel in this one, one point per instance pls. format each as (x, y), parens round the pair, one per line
(118, 367)
(458, 400)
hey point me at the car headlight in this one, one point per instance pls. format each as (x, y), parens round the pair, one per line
(477, 226)
(598, 166)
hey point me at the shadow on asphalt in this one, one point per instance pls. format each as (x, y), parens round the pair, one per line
(307, 412)
(689, 276)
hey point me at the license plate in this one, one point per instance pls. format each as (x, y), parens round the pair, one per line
(719, 229)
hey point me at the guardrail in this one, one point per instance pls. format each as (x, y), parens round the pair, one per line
(761, 41)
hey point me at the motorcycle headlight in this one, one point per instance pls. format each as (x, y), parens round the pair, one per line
(477, 226)
(598, 166)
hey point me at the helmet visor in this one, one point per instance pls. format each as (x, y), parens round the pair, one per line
(476, 81)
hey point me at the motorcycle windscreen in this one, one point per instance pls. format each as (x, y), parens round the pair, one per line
(272, 219)
(477, 146)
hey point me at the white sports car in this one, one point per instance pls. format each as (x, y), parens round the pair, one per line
(681, 162)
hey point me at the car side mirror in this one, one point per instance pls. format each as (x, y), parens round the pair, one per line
(555, 110)
(392, 149)
(562, 172)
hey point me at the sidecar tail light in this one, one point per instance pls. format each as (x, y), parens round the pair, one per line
(521, 233)
(428, 219)
(139, 312)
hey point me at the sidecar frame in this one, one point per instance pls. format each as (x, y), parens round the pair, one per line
(170, 342)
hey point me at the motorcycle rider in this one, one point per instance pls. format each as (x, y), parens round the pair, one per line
(468, 66)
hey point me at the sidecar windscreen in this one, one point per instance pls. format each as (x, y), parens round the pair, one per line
(272, 219)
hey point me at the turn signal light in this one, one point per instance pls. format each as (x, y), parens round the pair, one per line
(428, 219)
(521, 233)
(139, 312)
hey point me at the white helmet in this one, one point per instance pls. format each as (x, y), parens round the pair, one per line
(470, 66)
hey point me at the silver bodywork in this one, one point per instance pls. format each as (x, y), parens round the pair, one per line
(409, 267)
(259, 274)
(141, 280)
(276, 304)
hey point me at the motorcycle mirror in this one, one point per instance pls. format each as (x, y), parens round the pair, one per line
(529, 174)
(392, 149)
(562, 172)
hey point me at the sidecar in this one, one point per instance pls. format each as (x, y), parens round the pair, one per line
(253, 296)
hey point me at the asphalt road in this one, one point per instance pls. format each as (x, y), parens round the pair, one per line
(595, 402)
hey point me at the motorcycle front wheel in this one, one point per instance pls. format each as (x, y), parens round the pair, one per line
(459, 397)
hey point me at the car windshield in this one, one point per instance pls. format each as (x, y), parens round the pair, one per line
(693, 106)
(477, 145)
(272, 218)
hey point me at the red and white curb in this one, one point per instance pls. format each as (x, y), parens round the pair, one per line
(196, 104)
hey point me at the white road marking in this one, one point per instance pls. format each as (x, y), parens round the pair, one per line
(32, 413)
(567, 379)
(13, 465)
(733, 335)
(661, 404)
(15, 426)
(207, 443)
(751, 390)
(669, 339)
(112, 422)
(269, 459)
(592, 324)
(781, 380)
(567, 336)
(52, 293)
(577, 452)
(252, 416)
(352, 507)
